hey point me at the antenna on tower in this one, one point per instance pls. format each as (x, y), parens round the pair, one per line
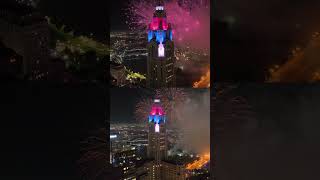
(160, 3)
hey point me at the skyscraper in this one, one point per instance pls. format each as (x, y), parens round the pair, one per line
(160, 50)
(159, 168)
(157, 138)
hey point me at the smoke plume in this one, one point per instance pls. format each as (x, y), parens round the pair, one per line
(193, 118)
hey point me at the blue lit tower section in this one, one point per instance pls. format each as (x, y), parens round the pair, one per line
(157, 138)
(160, 50)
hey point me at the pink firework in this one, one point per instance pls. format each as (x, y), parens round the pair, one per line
(190, 20)
(169, 98)
(142, 109)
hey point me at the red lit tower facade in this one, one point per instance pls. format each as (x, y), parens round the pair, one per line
(160, 50)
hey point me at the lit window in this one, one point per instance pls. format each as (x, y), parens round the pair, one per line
(157, 128)
(161, 50)
(159, 8)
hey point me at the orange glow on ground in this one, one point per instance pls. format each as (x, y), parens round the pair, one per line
(204, 81)
(197, 164)
(303, 64)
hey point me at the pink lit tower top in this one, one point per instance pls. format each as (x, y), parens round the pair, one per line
(157, 138)
(160, 50)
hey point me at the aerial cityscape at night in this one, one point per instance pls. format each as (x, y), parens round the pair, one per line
(173, 36)
(41, 41)
(154, 135)
(121, 89)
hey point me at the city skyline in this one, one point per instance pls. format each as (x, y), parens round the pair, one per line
(184, 50)
(173, 127)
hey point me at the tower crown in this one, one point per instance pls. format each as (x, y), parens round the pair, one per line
(157, 114)
(159, 29)
(161, 58)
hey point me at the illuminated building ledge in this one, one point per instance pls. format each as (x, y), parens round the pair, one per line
(159, 8)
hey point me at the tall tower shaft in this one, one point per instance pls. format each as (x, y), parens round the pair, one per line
(157, 135)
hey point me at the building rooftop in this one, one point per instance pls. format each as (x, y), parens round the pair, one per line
(173, 162)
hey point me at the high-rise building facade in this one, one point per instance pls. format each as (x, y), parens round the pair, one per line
(157, 137)
(159, 168)
(173, 171)
(160, 48)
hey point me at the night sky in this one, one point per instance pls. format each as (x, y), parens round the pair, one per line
(83, 16)
(117, 17)
(43, 124)
(250, 36)
(123, 102)
(279, 140)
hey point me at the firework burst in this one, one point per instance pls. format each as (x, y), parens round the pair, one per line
(190, 20)
(143, 108)
(169, 98)
(231, 111)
